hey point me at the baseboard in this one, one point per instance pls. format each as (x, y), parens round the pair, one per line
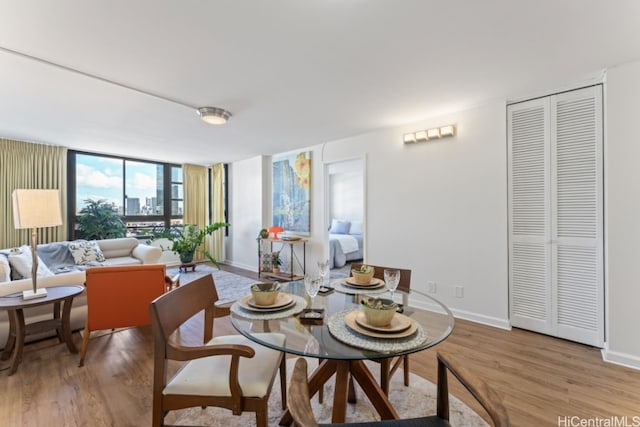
(249, 267)
(496, 322)
(472, 317)
(622, 359)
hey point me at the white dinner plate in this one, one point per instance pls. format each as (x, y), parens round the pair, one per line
(374, 284)
(350, 320)
(398, 324)
(248, 303)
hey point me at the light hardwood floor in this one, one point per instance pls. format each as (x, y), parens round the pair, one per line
(541, 378)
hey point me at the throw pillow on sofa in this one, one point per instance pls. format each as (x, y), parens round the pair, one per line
(21, 264)
(85, 252)
(5, 269)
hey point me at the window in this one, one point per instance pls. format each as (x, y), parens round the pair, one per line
(177, 197)
(136, 189)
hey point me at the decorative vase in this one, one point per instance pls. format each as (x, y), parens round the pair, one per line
(276, 270)
(186, 257)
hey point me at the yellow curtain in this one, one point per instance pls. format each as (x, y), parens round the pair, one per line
(30, 166)
(196, 202)
(216, 241)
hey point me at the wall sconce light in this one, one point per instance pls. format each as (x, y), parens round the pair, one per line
(447, 131)
(409, 138)
(426, 135)
(421, 136)
(433, 133)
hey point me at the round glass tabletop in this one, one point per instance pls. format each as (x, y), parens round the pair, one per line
(332, 338)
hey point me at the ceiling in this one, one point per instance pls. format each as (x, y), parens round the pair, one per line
(293, 73)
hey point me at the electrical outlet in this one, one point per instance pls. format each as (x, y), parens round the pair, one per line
(459, 291)
(431, 287)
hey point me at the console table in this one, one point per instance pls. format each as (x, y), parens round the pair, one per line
(15, 306)
(293, 258)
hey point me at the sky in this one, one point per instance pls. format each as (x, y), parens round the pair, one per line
(101, 178)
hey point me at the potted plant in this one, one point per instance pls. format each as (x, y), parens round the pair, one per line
(276, 262)
(99, 220)
(186, 240)
(264, 234)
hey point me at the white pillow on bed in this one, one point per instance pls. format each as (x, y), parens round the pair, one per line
(339, 226)
(356, 227)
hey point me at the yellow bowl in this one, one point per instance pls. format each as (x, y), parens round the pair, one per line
(265, 293)
(362, 278)
(378, 311)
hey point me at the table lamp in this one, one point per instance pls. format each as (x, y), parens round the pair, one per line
(275, 230)
(36, 209)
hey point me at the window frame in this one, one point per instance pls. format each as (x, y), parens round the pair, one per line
(166, 218)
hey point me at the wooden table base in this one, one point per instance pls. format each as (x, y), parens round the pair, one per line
(344, 370)
(12, 354)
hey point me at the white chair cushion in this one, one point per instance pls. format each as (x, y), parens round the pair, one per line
(209, 376)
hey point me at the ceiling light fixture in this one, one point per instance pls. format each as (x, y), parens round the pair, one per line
(214, 115)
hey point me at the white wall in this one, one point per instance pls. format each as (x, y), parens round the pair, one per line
(439, 208)
(345, 192)
(245, 212)
(622, 214)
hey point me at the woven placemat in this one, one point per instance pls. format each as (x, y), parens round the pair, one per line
(339, 329)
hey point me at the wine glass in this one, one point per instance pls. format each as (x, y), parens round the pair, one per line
(323, 269)
(312, 286)
(391, 278)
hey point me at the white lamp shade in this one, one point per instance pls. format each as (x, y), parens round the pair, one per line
(36, 208)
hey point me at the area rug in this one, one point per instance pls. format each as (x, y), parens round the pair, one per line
(230, 287)
(417, 400)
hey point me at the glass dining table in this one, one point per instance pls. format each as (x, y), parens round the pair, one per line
(339, 343)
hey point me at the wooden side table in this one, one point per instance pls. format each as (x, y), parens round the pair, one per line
(293, 259)
(15, 306)
(186, 266)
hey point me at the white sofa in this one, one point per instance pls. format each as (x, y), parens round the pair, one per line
(123, 251)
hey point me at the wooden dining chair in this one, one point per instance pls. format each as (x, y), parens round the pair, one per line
(390, 365)
(301, 411)
(226, 371)
(119, 297)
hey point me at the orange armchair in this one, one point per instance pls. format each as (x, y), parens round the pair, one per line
(119, 297)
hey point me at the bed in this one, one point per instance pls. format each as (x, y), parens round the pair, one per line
(345, 242)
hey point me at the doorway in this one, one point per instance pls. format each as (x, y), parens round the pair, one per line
(345, 214)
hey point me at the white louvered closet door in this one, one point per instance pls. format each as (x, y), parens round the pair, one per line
(529, 219)
(577, 216)
(555, 219)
